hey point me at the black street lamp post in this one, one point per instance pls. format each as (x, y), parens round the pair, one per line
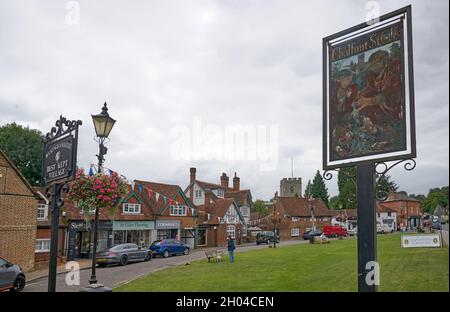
(103, 124)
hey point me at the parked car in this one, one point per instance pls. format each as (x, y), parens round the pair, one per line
(436, 225)
(353, 231)
(12, 276)
(266, 237)
(309, 234)
(334, 231)
(169, 247)
(122, 254)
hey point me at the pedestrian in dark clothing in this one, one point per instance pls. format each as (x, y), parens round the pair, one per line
(231, 248)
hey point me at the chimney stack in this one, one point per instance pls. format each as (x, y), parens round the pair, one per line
(207, 196)
(193, 172)
(224, 180)
(236, 183)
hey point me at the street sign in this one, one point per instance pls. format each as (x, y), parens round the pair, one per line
(369, 115)
(429, 240)
(58, 167)
(59, 160)
(368, 93)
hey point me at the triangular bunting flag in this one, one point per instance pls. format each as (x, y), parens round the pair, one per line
(91, 171)
(157, 196)
(149, 193)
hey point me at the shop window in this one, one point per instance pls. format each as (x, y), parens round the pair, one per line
(131, 208)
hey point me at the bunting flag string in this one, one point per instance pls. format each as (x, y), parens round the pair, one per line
(151, 192)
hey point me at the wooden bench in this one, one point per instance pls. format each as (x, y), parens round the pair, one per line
(214, 254)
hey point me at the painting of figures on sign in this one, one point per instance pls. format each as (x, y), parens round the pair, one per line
(366, 95)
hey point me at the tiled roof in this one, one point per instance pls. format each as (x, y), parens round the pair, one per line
(301, 207)
(217, 209)
(241, 197)
(156, 206)
(400, 197)
(212, 186)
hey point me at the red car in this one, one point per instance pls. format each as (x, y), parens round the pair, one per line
(334, 231)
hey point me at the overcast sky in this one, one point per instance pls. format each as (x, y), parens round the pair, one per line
(164, 66)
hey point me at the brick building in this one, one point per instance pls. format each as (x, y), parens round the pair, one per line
(218, 220)
(43, 232)
(205, 195)
(408, 210)
(296, 215)
(18, 208)
(171, 210)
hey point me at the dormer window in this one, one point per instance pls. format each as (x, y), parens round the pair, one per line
(198, 193)
(220, 193)
(131, 208)
(177, 210)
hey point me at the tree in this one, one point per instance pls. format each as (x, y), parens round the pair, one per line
(24, 147)
(347, 188)
(334, 203)
(258, 206)
(308, 189)
(385, 186)
(318, 188)
(436, 197)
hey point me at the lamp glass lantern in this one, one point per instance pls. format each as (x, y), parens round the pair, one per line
(103, 123)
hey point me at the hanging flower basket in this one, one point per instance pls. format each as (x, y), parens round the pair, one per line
(97, 191)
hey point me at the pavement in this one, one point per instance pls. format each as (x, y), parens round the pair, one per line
(113, 276)
(61, 269)
(445, 233)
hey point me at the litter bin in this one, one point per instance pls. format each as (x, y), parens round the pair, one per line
(96, 288)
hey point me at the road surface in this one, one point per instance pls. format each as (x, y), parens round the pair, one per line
(113, 276)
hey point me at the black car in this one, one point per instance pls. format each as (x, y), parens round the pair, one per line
(266, 237)
(11, 276)
(309, 234)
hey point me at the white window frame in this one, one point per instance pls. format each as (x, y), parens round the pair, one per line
(220, 193)
(295, 219)
(41, 244)
(42, 207)
(135, 210)
(178, 210)
(198, 194)
(295, 232)
(231, 231)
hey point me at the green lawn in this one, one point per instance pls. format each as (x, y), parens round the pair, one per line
(328, 267)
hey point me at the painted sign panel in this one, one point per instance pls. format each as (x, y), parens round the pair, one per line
(133, 225)
(167, 224)
(58, 159)
(430, 240)
(368, 84)
(367, 104)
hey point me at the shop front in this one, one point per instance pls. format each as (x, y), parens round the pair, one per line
(80, 238)
(141, 233)
(166, 229)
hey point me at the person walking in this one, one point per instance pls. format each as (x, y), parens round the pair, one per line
(231, 248)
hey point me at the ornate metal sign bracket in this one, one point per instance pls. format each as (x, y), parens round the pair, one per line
(381, 169)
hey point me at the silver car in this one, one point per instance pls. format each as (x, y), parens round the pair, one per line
(122, 254)
(11, 276)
